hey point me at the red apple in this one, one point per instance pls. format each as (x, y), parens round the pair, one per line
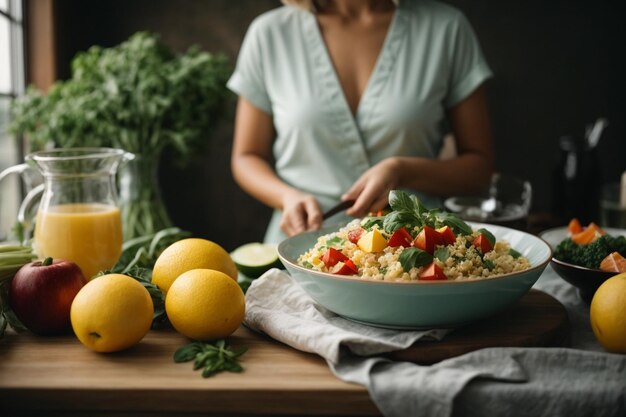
(41, 295)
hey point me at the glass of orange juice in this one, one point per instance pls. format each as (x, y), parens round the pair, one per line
(78, 218)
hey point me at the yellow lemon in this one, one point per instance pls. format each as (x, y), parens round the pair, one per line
(205, 304)
(111, 313)
(608, 314)
(188, 254)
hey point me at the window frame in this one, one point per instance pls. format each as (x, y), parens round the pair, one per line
(14, 16)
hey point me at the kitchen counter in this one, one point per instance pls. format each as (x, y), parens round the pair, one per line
(59, 376)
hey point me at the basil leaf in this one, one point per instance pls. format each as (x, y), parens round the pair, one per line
(237, 352)
(369, 222)
(401, 201)
(515, 254)
(397, 219)
(414, 257)
(490, 237)
(212, 357)
(233, 367)
(187, 352)
(442, 253)
(457, 225)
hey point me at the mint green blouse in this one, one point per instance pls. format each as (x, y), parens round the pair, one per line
(430, 61)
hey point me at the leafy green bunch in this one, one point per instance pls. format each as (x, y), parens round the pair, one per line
(138, 96)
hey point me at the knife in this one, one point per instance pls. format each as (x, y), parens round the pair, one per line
(337, 208)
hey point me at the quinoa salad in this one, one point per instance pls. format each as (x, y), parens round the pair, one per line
(412, 243)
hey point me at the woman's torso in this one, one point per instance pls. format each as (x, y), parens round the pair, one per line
(323, 144)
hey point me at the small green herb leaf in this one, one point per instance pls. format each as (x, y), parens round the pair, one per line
(488, 264)
(414, 257)
(187, 352)
(442, 253)
(335, 242)
(515, 254)
(369, 222)
(212, 358)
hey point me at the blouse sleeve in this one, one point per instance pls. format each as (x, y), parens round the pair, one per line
(248, 79)
(468, 66)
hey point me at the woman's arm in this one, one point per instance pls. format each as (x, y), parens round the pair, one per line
(469, 172)
(252, 170)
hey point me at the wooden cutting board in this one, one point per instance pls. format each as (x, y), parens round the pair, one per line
(537, 320)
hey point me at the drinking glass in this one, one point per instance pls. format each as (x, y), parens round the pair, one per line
(507, 203)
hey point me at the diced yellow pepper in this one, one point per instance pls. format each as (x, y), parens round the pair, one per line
(372, 241)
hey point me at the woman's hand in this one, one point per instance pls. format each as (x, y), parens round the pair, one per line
(371, 191)
(301, 212)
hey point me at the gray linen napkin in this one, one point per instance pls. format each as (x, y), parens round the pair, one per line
(496, 381)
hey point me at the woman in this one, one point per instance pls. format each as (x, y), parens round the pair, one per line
(348, 99)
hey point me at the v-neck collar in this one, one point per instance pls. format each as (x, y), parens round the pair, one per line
(382, 67)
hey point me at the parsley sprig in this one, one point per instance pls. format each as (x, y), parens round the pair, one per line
(212, 357)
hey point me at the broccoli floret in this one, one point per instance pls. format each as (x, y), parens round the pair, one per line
(592, 254)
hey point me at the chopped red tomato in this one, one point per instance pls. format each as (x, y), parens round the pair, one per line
(355, 234)
(427, 239)
(332, 256)
(346, 267)
(432, 272)
(447, 235)
(400, 237)
(482, 243)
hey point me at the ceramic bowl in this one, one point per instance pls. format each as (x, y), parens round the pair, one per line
(586, 280)
(417, 304)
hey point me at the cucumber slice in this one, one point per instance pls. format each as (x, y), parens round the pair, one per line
(254, 259)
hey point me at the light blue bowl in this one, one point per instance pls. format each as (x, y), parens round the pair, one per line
(417, 304)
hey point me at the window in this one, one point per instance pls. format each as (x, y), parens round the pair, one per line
(11, 84)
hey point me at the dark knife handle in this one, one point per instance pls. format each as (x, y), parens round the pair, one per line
(336, 209)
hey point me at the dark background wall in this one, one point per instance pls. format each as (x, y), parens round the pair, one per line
(557, 68)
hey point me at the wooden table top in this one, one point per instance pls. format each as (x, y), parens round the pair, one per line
(59, 376)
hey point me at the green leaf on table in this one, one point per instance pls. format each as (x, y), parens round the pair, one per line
(211, 357)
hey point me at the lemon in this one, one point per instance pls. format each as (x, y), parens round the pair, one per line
(205, 304)
(111, 313)
(188, 254)
(608, 314)
(253, 259)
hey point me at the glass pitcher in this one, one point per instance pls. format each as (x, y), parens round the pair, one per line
(78, 218)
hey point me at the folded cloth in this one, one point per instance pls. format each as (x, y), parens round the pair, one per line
(495, 381)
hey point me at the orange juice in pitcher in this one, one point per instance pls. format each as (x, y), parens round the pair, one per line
(78, 219)
(88, 234)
